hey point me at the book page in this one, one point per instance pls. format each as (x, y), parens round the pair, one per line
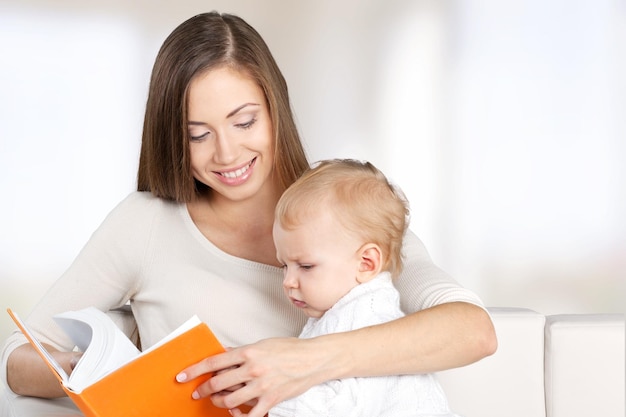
(45, 355)
(105, 347)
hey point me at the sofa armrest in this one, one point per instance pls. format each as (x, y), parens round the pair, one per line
(584, 365)
(508, 383)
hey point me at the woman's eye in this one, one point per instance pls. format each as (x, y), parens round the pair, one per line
(246, 125)
(198, 137)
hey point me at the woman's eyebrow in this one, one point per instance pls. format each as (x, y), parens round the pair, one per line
(232, 113)
(238, 109)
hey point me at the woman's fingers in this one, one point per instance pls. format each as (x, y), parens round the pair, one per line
(263, 374)
(212, 365)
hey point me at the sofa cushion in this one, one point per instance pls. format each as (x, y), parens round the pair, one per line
(585, 365)
(508, 383)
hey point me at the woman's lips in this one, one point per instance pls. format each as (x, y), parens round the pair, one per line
(238, 175)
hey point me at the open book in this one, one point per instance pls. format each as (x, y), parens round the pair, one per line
(114, 379)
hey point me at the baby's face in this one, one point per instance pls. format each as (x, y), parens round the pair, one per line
(320, 262)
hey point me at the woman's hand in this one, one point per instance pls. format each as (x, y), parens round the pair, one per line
(273, 370)
(28, 374)
(261, 374)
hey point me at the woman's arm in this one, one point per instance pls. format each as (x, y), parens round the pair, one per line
(27, 373)
(103, 275)
(441, 337)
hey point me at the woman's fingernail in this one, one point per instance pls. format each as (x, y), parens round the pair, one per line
(195, 395)
(74, 361)
(182, 377)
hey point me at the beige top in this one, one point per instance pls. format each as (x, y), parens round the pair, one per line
(148, 251)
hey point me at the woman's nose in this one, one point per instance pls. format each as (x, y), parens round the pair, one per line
(225, 149)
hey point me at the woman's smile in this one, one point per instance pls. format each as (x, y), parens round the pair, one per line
(238, 175)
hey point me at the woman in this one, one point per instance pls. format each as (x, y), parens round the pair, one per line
(219, 147)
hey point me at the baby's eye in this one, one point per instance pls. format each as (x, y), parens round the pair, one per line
(306, 267)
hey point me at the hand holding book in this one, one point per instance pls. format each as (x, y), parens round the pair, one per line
(113, 378)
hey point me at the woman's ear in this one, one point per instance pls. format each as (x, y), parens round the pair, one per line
(370, 262)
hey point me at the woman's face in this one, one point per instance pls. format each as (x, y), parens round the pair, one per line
(231, 141)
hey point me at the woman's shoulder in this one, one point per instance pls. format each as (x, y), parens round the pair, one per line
(137, 211)
(414, 249)
(423, 284)
(143, 202)
(143, 199)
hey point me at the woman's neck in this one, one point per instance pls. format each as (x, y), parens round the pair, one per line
(239, 228)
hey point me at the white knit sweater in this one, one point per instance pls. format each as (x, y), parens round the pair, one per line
(148, 251)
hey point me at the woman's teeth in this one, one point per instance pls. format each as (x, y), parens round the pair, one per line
(237, 173)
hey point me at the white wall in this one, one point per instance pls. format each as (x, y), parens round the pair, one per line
(501, 120)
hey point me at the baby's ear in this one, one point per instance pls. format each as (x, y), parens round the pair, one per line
(370, 262)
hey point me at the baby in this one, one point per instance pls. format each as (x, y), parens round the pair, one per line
(338, 232)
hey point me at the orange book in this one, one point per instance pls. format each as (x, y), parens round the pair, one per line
(114, 379)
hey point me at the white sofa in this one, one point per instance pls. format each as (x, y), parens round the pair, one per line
(546, 366)
(569, 365)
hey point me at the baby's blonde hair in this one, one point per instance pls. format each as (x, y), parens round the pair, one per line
(361, 197)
